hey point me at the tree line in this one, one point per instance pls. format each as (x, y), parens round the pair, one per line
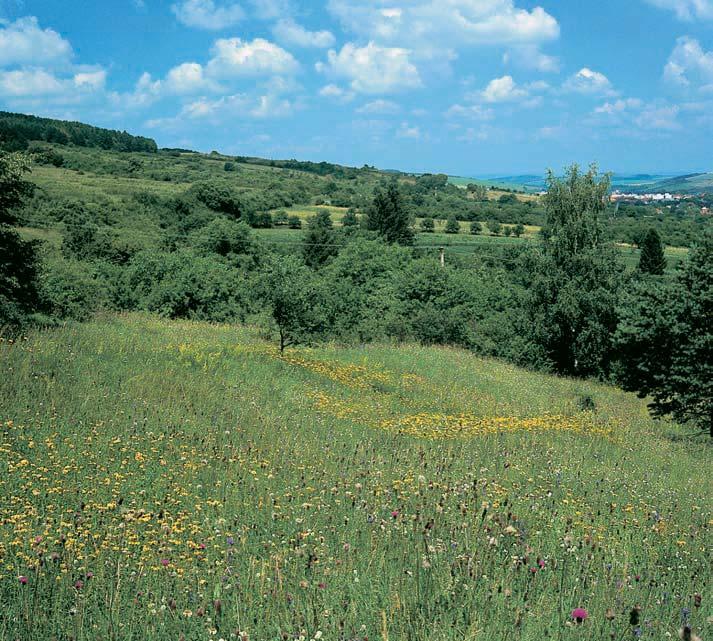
(563, 304)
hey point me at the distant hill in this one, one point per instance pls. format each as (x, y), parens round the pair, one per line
(688, 184)
(638, 183)
(17, 131)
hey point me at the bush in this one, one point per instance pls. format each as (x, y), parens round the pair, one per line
(452, 225)
(294, 222)
(71, 289)
(427, 225)
(476, 228)
(185, 285)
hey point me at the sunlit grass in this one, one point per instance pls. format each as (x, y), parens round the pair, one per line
(167, 480)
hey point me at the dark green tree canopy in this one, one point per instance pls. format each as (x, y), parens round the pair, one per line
(665, 341)
(574, 292)
(652, 260)
(388, 216)
(320, 242)
(452, 225)
(18, 259)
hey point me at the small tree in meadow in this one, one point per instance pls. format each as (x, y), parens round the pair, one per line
(294, 301)
(476, 228)
(452, 225)
(518, 230)
(350, 219)
(494, 227)
(294, 222)
(507, 231)
(427, 225)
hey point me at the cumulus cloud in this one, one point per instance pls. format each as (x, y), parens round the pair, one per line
(189, 78)
(373, 69)
(233, 58)
(29, 83)
(659, 118)
(531, 58)
(226, 107)
(619, 106)
(689, 65)
(270, 9)
(409, 132)
(586, 81)
(205, 14)
(636, 118)
(24, 42)
(39, 83)
(503, 89)
(94, 80)
(289, 32)
(337, 93)
(384, 107)
(687, 9)
(445, 23)
(470, 112)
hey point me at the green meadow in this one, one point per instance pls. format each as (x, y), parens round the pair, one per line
(171, 480)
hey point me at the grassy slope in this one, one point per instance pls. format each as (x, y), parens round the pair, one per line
(357, 492)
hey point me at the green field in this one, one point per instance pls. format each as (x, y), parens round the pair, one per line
(175, 480)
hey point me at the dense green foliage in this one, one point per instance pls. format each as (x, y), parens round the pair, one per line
(573, 295)
(389, 218)
(18, 130)
(666, 340)
(18, 258)
(652, 260)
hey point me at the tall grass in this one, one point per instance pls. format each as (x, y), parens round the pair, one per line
(174, 480)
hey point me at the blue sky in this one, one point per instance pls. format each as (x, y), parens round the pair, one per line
(468, 87)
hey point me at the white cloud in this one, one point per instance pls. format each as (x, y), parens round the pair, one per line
(408, 132)
(687, 9)
(289, 32)
(373, 69)
(40, 83)
(29, 83)
(337, 93)
(385, 107)
(619, 106)
(531, 58)
(235, 58)
(205, 14)
(659, 118)
(470, 112)
(93, 80)
(270, 9)
(689, 64)
(586, 81)
(188, 78)
(445, 23)
(503, 89)
(24, 42)
(225, 108)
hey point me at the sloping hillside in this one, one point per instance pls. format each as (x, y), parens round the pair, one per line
(182, 480)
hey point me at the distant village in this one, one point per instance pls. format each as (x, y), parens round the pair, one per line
(619, 196)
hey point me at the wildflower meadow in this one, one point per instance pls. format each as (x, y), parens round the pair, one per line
(179, 481)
